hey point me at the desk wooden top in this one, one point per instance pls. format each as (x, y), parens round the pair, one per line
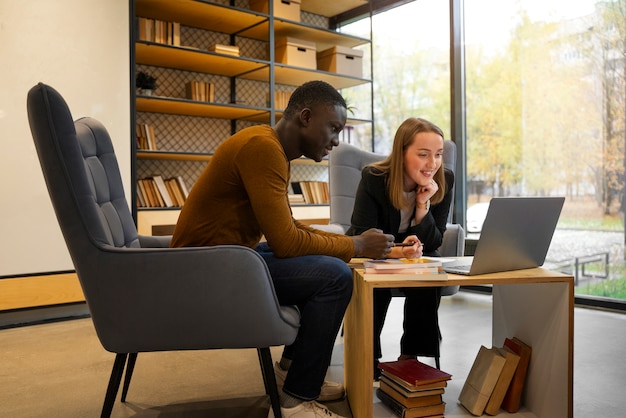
(534, 275)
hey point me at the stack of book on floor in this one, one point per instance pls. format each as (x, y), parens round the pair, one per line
(412, 389)
(428, 267)
(496, 379)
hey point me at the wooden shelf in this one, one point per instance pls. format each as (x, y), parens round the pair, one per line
(209, 16)
(186, 107)
(200, 156)
(248, 23)
(295, 76)
(238, 23)
(330, 8)
(192, 59)
(176, 106)
(172, 156)
(323, 38)
(181, 58)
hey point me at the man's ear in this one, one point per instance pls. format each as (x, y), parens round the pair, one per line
(305, 116)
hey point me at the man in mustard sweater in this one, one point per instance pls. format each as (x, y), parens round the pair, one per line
(242, 196)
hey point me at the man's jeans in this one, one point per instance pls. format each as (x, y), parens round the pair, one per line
(321, 287)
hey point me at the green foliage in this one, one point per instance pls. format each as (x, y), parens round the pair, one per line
(613, 288)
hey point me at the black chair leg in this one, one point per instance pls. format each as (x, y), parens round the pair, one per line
(130, 366)
(269, 379)
(114, 384)
(437, 362)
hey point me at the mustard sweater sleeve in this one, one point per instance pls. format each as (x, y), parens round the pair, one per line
(264, 172)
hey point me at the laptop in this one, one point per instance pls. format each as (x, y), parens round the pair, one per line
(516, 235)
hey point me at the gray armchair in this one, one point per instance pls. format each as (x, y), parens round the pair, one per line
(142, 295)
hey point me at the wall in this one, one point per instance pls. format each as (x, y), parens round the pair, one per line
(81, 48)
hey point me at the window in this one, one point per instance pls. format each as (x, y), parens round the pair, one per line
(545, 116)
(411, 66)
(545, 113)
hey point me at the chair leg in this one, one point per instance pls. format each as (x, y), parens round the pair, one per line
(114, 384)
(269, 379)
(437, 363)
(130, 366)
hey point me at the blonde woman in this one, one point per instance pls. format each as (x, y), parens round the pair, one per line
(408, 195)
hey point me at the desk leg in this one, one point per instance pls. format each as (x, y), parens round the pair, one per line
(542, 315)
(358, 340)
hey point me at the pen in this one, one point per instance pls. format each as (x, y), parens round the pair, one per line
(403, 244)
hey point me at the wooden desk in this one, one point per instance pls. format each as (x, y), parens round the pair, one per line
(535, 305)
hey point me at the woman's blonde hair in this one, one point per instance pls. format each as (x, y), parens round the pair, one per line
(393, 165)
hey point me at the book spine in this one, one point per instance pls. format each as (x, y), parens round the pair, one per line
(397, 409)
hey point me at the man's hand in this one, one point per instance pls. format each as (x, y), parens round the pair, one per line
(372, 244)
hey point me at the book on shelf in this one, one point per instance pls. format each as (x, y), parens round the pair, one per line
(146, 139)
(159, 31)
(511, 361)
(225, 49)
(481, 380)
(201, 91)
(141, 190)
(141, 203)
(157, 192)
(163, 191)
(173, 195)
(295, 186)
(151, 194)
(295, 198)
(281, 99)
(411, 391)
(513, 397)
(175, 191)
(404, 412)
(183, 186)
(413, 373)
(314, 192)
(411, 401)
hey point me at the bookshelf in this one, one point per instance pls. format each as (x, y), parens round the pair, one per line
(246, 86)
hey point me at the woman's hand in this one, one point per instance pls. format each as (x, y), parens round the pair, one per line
(424, 193)
(413, 251)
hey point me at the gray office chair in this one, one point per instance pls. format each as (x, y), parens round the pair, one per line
(345, 164)
(142, 295)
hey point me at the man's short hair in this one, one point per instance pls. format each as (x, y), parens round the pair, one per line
(310, 94)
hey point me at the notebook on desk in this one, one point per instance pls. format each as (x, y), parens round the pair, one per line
(516, 235)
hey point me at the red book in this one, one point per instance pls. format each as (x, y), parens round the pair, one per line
(513, 398)
(413, 372)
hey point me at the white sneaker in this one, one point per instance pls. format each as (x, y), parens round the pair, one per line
(330, 391)
(309, 409)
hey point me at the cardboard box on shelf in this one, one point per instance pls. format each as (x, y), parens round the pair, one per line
(284, 9)
(341, 60)
(296, 52)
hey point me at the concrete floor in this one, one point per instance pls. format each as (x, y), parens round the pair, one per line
(60, 370)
